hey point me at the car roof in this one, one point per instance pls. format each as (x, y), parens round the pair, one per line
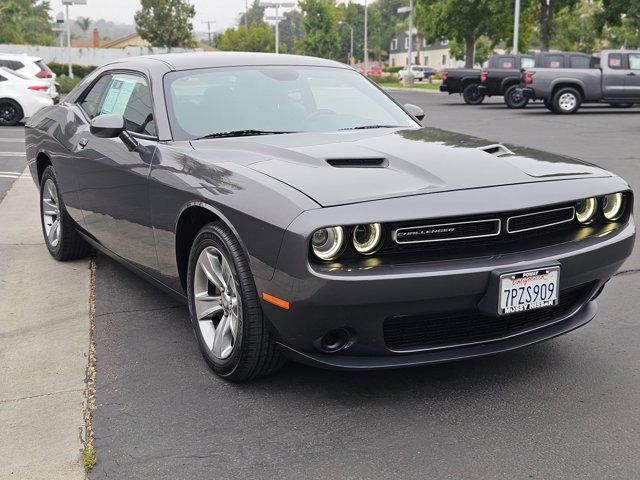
(192, 60)
(16, 56)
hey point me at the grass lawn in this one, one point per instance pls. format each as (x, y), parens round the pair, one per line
(421, 85)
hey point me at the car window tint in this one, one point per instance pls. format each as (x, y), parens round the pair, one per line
(578, 61)
(2, 79)
(634, 61)
(92, 99)
(129, 96)
(554, 61)
(17, 65)
(527, 63)
(615, 61)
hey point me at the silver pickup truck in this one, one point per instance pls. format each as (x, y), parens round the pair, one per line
(611, 77)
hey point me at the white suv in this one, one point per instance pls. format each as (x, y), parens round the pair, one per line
(32, 67)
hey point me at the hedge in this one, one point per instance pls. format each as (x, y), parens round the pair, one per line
(63, 69)
(391, 69)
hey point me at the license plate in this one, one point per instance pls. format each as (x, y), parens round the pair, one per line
(528, 290)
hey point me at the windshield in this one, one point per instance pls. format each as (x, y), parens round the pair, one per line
(275, 99)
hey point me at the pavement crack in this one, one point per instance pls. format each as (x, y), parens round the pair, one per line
(29, 397)
(630, 271)
(136, 310)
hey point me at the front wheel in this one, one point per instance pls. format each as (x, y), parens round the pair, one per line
(60, 235)
(566, 100)
(234, 337)
(471, 94)
(514, 98)
(10, 112)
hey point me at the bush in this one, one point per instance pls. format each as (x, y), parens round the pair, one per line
(391, 69)
(67, 83)
(63, 69)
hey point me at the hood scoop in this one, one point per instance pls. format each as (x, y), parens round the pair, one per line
(358, 162)
(496, 150)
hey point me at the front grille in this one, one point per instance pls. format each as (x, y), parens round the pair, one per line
(532, 221)
(447, 231)
(460, 328)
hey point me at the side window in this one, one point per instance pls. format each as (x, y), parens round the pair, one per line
(16, 65)
(634, 61)
(4, 63)
(2, 79)
(578, 61)
(129, 96)
(527, 62)
(615, 61)
(507, 63)
(92, 99)
(554, 61)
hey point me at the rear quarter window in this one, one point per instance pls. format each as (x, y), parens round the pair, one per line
(578, 61)
(553, 61)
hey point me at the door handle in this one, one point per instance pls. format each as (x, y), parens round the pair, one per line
(83, 143)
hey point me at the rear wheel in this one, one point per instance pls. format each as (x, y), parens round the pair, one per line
(60, 235)
(471, 94)
(514, 99)
(566, 100)
(10, 112)
(234, 337)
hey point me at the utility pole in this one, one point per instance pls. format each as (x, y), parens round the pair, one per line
(66, 3)
(366, 39)
(516, 27)
(209, 22)
(409, 9)
(277, 6)
(246, 15)
(351, 48)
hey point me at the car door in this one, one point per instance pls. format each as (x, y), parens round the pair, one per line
(113, 183)
(614, 76)
(632, 79)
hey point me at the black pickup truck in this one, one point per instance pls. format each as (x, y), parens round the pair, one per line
(468, 81)
(502, 78)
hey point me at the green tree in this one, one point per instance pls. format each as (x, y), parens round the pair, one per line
(25, 21)
(290, 30)
(255, 14)
(483, 50)
(576, 29)
(84, 23)
(384, 23)
(546, 12)
(464, 21)
(621, 20)
(320, 36)
(166, 23)
(259, 38)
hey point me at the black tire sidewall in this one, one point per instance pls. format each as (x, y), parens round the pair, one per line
(213, 235)
(49, 174)
(19, 112)
(508, 98)
(468, 97)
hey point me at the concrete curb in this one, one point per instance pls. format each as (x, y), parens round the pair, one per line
(44, 342)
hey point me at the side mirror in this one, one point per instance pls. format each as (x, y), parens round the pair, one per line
(107, 126)
(415, 110)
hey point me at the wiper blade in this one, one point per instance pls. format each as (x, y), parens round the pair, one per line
(240, 133)
(366, 127)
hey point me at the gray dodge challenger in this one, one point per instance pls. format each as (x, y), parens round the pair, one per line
(302, 213)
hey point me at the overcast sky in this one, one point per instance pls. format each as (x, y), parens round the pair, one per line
(224, 12)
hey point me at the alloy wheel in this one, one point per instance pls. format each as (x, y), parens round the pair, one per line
(218, 305)
(567, 101)
(8, 113)
(51, 213)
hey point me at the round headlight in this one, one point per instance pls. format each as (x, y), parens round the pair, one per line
(366, 238)
(327, 243)
(613, 206)
(586, 210)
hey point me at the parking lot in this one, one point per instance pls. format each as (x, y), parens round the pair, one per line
(569, 408)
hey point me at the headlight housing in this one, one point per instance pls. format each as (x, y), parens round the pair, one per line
(327, 243)
(613, 206)
(367, 237)
(586, 210)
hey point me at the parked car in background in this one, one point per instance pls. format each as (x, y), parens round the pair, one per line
(21, 97)
(612, 77)
(502, 78)
(419, 72)
(32, 67)
(373, 70)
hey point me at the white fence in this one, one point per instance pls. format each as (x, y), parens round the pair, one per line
(85, 56)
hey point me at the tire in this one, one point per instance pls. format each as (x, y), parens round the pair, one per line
(621, 105)
(251, 352)
(471, 95)
(566, 100)
(548, 105)
(10, 112)
(60, 235)
(513, 99)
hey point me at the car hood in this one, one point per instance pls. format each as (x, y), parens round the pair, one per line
(337, 168)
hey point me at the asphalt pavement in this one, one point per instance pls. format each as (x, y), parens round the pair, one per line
(568, 408)
(12, 157)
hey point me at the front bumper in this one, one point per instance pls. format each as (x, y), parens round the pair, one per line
(361, 299)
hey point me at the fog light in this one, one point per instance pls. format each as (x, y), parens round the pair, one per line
(366, 238)
(586, 210)
(613, 206)
(327, 243)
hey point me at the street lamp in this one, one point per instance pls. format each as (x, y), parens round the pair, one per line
(277, 6)
(366, 39)
(209, 22)
(66, 3)
(516, 27)
(351, 49)
(409, 10)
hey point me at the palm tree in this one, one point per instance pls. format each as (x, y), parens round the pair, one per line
(84, 23)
